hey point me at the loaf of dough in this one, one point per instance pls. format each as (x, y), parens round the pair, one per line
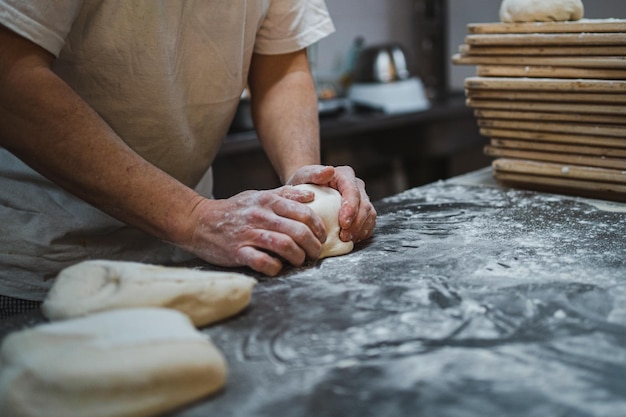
(541, 10)
(135, 362)
(327, 204)
(101, 285)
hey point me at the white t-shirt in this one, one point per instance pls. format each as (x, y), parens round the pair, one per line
(167, 77)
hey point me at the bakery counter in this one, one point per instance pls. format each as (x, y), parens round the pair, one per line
(469, 300)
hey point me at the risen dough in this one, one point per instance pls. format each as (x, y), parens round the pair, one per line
(93, 286)
(135, 362)
(541, 10)
(327, 204)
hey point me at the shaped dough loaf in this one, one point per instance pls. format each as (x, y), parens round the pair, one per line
(541, 10)
(101, 285)
(327, 204)
(135, 362)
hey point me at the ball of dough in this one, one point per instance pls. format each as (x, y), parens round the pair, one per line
(135, 362)
(327, 204)
(541, 10)
(100, 285)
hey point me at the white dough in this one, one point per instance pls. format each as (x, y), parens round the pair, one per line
(101, 285)
(541, 10)
(124, 363)
(327, 204)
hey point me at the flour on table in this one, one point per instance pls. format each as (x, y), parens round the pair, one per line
(541, 10)
(327, 204)
(135, 362)
(100, 285)
(609, 206)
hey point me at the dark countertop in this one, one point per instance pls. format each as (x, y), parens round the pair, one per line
(470, 300)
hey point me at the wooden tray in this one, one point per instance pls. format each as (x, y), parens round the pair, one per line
(550, 72)
(548, 50)
(559, 170)
(570, 159)
(535, 39)
(556, 127)
(546, 84)
(582, 187)
(583, 25)
(581, 98)
(528, 145)
(576, 62)
(539, 106)
(555, 117)
(577, 188)
(554, 137)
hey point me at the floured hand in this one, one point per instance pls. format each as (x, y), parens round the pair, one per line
(258, 229)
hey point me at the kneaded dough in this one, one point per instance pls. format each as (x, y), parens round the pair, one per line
(327, 204)
(541, 10)
(100, 285)
(135, 362)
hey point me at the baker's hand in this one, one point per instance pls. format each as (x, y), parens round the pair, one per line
(258, 229)
(357, 216)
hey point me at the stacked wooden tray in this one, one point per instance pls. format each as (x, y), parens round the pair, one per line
(552, 99)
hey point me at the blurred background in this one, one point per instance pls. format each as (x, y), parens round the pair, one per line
(399, 133)
(419, 24)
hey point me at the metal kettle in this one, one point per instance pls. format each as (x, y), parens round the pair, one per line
(381, 64)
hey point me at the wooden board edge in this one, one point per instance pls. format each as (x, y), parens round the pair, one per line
(566, 171)
(583, 25)
(574, 188)
(559, 158)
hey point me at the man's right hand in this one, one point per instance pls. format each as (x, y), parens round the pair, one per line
(258, 229)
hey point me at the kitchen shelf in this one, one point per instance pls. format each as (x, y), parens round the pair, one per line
(352, 124)
(390, 152)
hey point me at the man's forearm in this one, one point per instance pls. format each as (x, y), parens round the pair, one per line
(47, 125)
(285, 111)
